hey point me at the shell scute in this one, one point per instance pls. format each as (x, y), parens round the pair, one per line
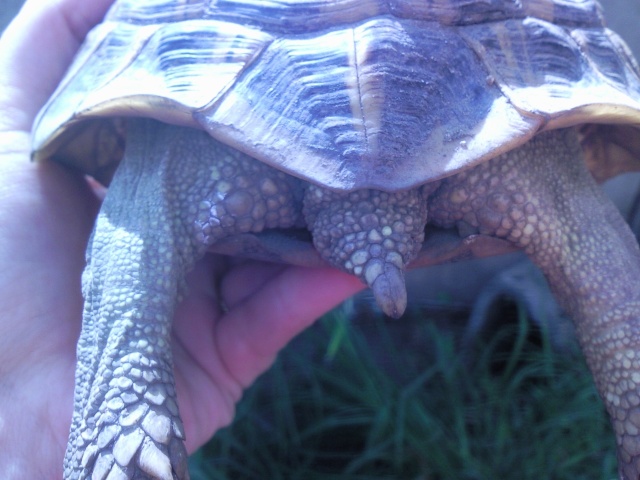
(157, 12)
(349, 93)
(365, 104)
(548, 70)
(610, 56)
(298, 16)
(162, 71)
(570, 13)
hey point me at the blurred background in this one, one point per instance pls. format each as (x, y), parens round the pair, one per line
(9, 10)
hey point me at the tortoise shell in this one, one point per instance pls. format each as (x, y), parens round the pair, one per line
(345, 94)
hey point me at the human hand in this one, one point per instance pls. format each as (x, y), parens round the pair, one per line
(46, 215)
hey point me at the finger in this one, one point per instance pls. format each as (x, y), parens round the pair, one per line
(36, 49)
(244, 279)
(249, 337)
(198, 309)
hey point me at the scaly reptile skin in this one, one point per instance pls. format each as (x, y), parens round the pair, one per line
(167, 205)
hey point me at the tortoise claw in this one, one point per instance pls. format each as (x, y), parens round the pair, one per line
(386, 281)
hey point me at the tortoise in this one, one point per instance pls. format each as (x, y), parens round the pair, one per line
(371, 135)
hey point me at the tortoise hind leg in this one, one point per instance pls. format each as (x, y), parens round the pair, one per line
(176, 192)
(541, 197)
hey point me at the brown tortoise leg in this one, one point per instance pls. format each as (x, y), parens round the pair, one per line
(541, 198)
(176, 192)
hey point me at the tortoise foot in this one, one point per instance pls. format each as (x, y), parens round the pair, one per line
(135, 432)
(151, 448)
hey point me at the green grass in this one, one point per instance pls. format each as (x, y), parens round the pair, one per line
(330, 408)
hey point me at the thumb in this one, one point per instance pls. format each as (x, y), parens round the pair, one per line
(36, 49)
